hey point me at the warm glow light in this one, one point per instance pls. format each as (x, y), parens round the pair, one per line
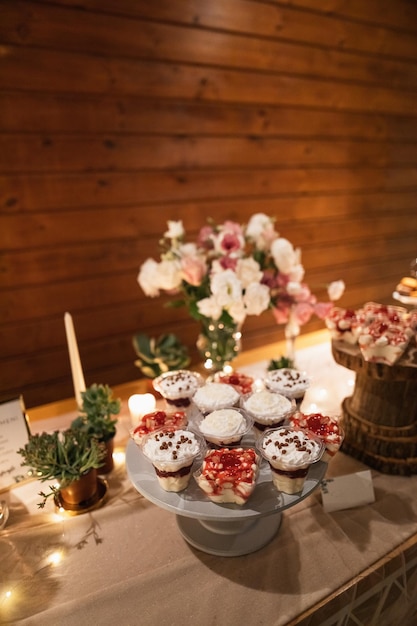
(227, 369)
(8, 594)
(55, 558)
(119, 457)
(258, 384)
(139, 404)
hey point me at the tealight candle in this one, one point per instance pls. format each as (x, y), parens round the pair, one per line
(140, 404)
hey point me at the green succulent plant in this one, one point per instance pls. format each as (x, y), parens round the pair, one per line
(97, 408)
(159, 355)
(64, 456)
(282, 362)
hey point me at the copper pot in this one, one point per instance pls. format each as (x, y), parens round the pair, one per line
(82, 490)
(108, 463)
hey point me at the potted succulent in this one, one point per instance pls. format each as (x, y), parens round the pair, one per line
(281, 363)
(159, 355)
(69, 457)
(97, 410)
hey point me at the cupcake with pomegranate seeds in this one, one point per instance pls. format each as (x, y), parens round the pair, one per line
(241, 382)
(384, 341)
(157, 420)
(228, 475)
(325, 427)
(345, 324)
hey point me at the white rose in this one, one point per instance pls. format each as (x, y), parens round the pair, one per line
(188, 249)
(226, 287)
(294, 288)
(209, 307)
(258, 226)
(147, 278)
(256, 299)
(248, 271)
(336, 290)
(237, 311)
(175, 230)
(296, 273)
(169, 275)
(284, 255)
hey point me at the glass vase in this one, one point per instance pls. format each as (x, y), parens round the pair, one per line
(219, 342)
(292, 330)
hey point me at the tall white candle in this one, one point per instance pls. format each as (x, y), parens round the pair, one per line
(76, 369)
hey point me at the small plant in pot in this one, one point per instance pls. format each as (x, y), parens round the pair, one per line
(69, 457)
(97, 419)
(157, 355)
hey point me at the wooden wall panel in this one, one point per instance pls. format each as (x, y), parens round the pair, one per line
(116, 117)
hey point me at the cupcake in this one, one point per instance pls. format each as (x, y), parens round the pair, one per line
(290, 452)
(267, 409)
(241, 382)
(325, 427)
(344, 324)
(229, 474)
(384, 342)
(290, 382)
(212, 396)
(224, 427)
(172, 453)
(155, 421)
(178, 387)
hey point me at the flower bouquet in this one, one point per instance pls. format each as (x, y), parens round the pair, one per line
(232, 271)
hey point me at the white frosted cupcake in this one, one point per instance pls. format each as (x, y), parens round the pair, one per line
(290, 452)
(290, 382)
(267, 408)
(229, 475)
(178, 387)
(212, 396)
(224, 427)
(172, 453)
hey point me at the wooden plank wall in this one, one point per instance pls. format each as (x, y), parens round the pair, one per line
(117, 115)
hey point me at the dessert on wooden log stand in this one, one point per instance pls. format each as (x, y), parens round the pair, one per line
(380, 418)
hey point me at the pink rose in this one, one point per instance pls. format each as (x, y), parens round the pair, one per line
(228, 263)
(205, 237)
(193, 270)
(322, 309)
(281, 313)
(302, 312)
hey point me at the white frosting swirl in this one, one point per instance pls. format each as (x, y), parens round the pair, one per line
(215, 396)
(174, 447)
(267, 404)
(223, 422)
(290, 448)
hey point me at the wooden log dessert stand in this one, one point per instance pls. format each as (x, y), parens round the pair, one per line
(380, 418)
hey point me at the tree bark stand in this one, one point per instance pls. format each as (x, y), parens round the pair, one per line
(380, 418)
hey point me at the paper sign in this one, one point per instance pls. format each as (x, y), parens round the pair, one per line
(347, 492)
(14, 434)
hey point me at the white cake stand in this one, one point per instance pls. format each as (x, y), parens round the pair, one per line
(221, 529)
